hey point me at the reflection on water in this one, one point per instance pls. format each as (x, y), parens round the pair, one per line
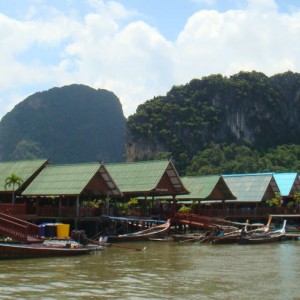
(163, 271)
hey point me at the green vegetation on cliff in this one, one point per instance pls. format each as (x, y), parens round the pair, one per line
(67, 125)
(226, 159)
(222, 125)
(248, 122)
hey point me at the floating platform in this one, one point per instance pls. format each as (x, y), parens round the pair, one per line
(293, 236)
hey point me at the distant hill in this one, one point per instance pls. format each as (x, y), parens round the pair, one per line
(248, 109)
(70, 124)
(247, 122)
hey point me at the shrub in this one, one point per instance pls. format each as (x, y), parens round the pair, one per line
(185, 210)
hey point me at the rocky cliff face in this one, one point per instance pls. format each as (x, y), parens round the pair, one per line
(144, 150)
(67, 125)
(247, 108)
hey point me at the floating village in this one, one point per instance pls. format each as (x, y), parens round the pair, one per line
(74, 209)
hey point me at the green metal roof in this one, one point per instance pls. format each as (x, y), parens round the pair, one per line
(202, 188)
(137, 176)
(250, 187)
(66, 179)
(23, 168)
(144, 176)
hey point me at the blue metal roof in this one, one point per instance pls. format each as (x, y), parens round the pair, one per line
(285, 182)
(247, 174)
(288, 183)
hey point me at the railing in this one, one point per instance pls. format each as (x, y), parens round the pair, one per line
(32, 229)
(13, 209)
(85, 212)
(49, 211)
(12, 229)
(194, 220)
(64, 211)
(17, 228)
(245, 212)
(192, 217)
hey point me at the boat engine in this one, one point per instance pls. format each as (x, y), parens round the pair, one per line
(79, 236)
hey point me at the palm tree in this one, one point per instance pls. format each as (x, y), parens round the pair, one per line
(13, 180)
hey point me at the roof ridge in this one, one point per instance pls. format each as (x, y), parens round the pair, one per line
(75, 164)
(248, 174)
(197, 176)
(138, 162)
(23, 160)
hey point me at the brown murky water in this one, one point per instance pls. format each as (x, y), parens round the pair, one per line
(163, 271)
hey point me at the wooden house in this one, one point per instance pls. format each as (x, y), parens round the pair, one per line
(26, 170)
(251, 190)
(147, 178)
(65, 191)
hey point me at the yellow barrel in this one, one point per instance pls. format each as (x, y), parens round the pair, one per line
(62, 231)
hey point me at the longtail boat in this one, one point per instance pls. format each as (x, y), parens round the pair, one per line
(159, 231)
(9, 251)
(262, 238)
(265, 237)
(189, 237)
(233, 237)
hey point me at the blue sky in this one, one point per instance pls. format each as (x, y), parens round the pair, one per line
(139, 49)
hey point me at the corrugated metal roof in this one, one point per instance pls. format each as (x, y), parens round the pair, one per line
(63, 179)
(23, 168)
(250, 187)
(144, 176)
(137, 176)
(287, 183)
(200, 187)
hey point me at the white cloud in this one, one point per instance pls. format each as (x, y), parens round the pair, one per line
(134, 62)
(262, 6)
(206, 2)
(257, 38)
(106, 49)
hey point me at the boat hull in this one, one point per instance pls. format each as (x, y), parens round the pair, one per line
(231, 239)
(156, 232)
(187, 237)
(261, 239)
(13, 251)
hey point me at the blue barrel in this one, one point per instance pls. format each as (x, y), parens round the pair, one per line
(42, 230)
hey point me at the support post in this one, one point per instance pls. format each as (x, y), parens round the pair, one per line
(77, 206)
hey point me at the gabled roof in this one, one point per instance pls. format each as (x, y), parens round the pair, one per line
(146, 177)
(25, 169)
(73, 179)
(206, 188)
(251, 187)
(288, 183)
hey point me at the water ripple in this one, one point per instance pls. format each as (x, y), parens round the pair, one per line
(163, 271)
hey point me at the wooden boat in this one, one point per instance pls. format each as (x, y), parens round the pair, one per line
(264, 237)
(8, 251)
(189, 237)
(159, 231)
(231, 238)
(230, 235)
(165, 239)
